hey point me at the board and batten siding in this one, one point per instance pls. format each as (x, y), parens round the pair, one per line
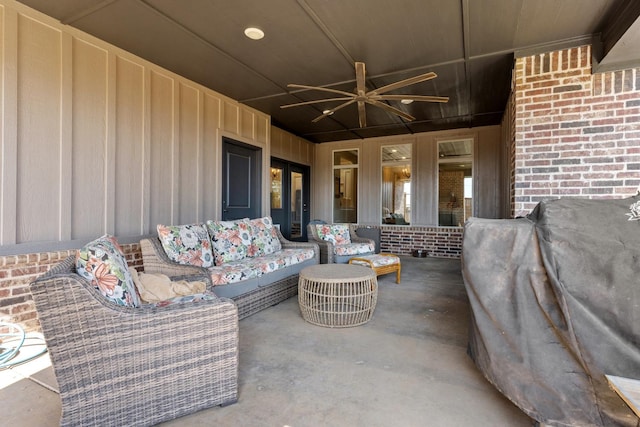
(287, 146)
(96, 140)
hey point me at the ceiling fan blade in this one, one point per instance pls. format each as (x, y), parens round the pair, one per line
(425, 98)
(317, 101)
(403, 83)
(362, 114)
(324, 89)
(333, 110)
(361, 91)
(391, 109)
(360, 79)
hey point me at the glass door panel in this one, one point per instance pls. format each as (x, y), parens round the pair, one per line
(396, 184)
(455, 182)
(297, 207)
(345, 186)
(276, 188)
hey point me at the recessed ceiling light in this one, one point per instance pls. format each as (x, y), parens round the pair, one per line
(254, 33)
(327, 112)
(406, 101)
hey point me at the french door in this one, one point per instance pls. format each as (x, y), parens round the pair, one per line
(290, 196)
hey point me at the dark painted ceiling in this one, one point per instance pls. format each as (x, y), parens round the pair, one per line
(470, 44)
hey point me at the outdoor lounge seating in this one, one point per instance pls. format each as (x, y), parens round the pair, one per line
(380, 263)
(339, 242)
(119, 361)
(248, 261)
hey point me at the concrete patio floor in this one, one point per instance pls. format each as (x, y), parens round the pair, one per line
(407, 367)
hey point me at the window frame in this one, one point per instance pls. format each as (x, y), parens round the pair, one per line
(336, 189)
(462, 159)
(402, 162)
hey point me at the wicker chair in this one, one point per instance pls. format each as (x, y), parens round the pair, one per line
(327, 249)
(130, 366)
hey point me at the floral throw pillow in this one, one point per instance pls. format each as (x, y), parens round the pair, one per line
(338, 234)
(231, 239)
(103, 264)
(187, 244)
(265, 237)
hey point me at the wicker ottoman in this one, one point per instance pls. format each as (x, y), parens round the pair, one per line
(337, 295)
(380, 263)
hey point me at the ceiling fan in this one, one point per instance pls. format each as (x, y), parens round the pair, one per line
(374, 97)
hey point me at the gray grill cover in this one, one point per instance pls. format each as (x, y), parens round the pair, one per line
(556, 305)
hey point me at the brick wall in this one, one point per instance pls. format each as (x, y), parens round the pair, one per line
(440, 242)
(509, 154)
(577, 133)
(17, 271)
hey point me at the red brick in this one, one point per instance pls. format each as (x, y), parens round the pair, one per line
(608, 107)
(568, 176)
(600, 99)
(22, 308)
(538, 91)
(542, 82)
(573, 105)
(580, 168)
(607, 136)
(565, 133)
(24, 317)
(569, 139)
(544, 112)
(568, 191)
(28, 271)
(574, 95)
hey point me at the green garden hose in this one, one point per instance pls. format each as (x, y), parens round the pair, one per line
(13, 340)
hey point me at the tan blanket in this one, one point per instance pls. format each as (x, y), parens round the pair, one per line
(159, 287)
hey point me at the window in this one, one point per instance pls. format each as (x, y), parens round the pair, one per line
(455, 182)
(396, 184)
(345, 185)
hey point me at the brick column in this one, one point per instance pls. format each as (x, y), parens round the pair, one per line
(576, 134)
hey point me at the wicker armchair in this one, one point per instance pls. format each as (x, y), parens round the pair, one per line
(328, 249)
(130, 366)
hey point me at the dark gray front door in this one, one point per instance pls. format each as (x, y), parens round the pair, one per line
(241, 180)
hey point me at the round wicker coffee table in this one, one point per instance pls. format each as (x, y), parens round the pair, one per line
(337, 295)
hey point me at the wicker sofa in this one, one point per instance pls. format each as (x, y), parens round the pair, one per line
(339, 242)
(135, 366)
(256, 290)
